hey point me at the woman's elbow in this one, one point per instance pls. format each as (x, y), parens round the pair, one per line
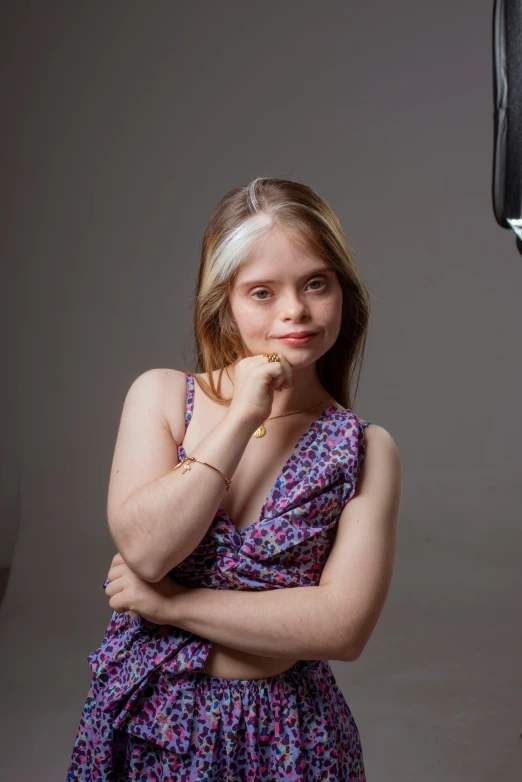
(134, 554)
(143, 569)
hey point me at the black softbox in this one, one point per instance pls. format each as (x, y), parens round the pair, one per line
(507, 86)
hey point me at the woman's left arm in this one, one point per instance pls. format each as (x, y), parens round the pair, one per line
(332, 620)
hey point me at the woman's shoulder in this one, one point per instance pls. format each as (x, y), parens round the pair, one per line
(378, 439)
(162, 379)
(166, 388)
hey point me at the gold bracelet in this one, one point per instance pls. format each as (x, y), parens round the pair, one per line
(186, 466)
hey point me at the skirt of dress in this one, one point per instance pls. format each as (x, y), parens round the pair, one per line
(295, 726)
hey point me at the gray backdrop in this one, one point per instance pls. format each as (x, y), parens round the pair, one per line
(124, 123)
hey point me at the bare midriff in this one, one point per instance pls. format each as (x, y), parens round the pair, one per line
(227, 663)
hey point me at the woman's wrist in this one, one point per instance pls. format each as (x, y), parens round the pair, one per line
(174, 607)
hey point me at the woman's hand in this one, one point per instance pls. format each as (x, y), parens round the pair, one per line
(255, 380)
(128, 592)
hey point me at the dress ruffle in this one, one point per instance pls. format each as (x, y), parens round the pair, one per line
(137, 671)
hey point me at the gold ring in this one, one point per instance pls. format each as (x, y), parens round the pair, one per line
(272, 357)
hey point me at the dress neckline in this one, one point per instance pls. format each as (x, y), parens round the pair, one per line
(294, 456)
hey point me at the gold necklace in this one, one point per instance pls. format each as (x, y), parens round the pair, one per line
(261, 430)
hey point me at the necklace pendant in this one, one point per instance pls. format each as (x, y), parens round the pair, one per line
(260, 431)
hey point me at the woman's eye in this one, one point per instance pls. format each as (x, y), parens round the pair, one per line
(264, 290)
(321, 281)
(260, 291)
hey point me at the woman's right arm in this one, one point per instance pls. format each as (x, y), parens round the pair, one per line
(157, 517)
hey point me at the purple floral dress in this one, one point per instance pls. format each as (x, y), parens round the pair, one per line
(150, 713)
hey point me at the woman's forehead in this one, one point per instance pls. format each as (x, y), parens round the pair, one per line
(273, 260)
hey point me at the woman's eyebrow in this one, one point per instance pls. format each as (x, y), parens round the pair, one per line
(321, 270)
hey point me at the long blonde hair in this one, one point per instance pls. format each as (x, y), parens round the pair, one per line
(244, 215)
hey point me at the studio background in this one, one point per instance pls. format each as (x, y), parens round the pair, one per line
(124, 124)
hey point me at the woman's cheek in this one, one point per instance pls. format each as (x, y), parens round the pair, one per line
(251, 320)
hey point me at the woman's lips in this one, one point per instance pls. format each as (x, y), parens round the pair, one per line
(298, 340)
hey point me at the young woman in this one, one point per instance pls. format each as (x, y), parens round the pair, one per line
(252, 545)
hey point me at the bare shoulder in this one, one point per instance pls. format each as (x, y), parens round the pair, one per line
(166, 390)
(380, 438)
(381, 460)
(158, 385)
(165, 380)
(163, 392)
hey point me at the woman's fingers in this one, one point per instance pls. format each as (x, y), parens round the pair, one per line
(114, 575)
(113, 587)
(287, 369)
(117, 570)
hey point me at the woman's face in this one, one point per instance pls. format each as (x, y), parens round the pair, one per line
(282, 288)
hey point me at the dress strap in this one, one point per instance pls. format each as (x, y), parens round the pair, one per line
(189, 402)
(364, 424)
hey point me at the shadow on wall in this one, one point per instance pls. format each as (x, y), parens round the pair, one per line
(4, 575)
